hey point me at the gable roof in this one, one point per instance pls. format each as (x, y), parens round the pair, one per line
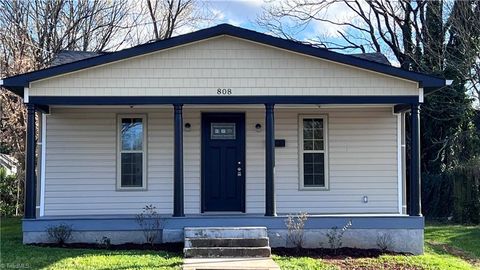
(66, 56)
(375, 57)
(18, 82)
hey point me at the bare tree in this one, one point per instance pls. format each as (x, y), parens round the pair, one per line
(45, 27)
(168, 16)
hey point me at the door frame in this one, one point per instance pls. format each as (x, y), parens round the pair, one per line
(202, 157)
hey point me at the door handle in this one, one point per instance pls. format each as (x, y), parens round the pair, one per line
(239, 171)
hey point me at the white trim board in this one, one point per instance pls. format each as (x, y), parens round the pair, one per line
(399, 162)
(43, 164)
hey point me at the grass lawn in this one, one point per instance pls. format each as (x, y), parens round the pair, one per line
(447, 247)
(15, 255)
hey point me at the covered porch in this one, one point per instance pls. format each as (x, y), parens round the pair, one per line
(269, 105)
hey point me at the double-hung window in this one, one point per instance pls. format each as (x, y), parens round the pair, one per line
(131, 156)
(313, 153)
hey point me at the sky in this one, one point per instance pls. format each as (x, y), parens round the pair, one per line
(241, 13)
(244, 13)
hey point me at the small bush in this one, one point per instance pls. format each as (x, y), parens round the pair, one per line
(150, 223)
(60, 234)
(384, 241)
(335, 236)
(295, 226)
(104, 243)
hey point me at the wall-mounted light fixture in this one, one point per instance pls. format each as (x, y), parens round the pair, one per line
(258, 127)
(188, 127)
(365, 199)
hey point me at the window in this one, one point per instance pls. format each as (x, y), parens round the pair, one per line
(222, 131)
(131, 157)
(313, 152)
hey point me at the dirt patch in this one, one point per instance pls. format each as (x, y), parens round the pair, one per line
(356, 264)
(327, 253)
(169, 247)
(456, 252)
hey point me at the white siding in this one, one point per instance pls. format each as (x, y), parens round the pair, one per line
(224, 62)
(81, 164)
(80, 168)
(362, 161)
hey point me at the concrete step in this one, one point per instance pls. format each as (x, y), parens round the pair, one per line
(225, 232)
(226, 242)
(258, 263)
(235, 252)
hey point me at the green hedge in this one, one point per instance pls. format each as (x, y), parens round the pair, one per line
(454, 194)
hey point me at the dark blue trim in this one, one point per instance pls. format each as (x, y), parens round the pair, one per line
(415, 180)
(270, 209)
(426, 81)
(43, 108)
(30, 177)
(152, 100)
(178, 186)
(400, 108)
(128, 223)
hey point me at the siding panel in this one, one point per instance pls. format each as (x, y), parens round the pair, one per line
(224, 62)
(81, 162)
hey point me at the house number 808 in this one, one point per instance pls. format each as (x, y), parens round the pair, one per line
(224, 91)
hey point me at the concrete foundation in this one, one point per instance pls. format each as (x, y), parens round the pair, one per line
(402, 240)
(405, 233)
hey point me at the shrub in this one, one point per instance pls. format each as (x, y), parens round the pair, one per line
(59, 234)
(104, 243)
(295, 226)
(384, 241)
(335, 236)
(8, 191)
(150, 223)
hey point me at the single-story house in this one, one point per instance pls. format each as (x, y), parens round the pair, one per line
(224, 127)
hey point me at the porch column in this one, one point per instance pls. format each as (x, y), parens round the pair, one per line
(30, 177)
(178, 162)
(415, 177)
(270, 209)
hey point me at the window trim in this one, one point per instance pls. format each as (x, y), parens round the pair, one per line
(119, 152)
(301, 184)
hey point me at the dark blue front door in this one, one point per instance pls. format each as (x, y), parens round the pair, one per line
(223, 162)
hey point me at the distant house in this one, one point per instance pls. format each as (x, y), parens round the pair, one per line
(225, 127)
(9, 163)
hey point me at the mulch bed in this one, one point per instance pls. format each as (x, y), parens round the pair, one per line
(169, 247)
(327, 253)
(340, 255)
(347, 258)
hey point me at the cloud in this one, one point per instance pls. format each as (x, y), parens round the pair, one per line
(238, 12)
